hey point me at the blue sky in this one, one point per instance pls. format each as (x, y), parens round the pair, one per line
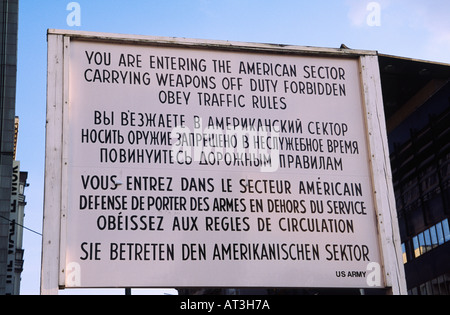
(413, 28)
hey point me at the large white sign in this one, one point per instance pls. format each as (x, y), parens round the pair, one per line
(187, 167)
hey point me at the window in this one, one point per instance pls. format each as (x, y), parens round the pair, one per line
(437, 286)
(434, 239)
(428, 245)
(423, 289)
(440, 233)
(422, 245)
(427, 240)
(445, 169)
(416, 247)
(405, 257)
(446, 230)
(443, 290)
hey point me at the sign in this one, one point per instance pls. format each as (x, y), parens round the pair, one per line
(14, 227)
(188, 164)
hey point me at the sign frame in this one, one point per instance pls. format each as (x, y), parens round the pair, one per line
(56, 165)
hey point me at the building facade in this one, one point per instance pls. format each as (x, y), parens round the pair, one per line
(417, 105)
(8, 73)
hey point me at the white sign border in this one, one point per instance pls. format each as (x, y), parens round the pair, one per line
(53, 273)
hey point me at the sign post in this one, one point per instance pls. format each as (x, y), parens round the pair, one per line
(186, 163)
